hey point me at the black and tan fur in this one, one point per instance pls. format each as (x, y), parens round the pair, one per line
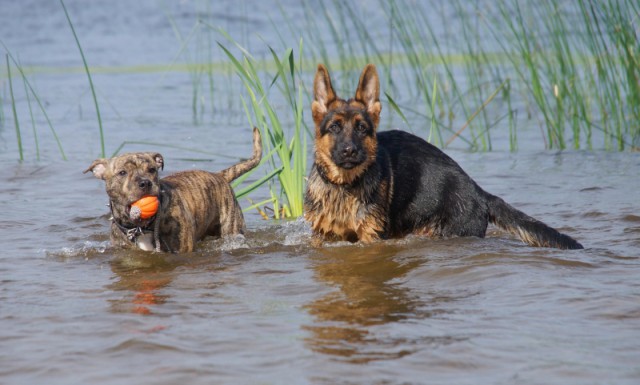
(366, 185)
(193, 204)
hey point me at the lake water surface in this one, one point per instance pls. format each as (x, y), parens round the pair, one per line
(271, 309)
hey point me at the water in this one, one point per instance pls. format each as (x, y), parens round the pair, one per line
(270, 309)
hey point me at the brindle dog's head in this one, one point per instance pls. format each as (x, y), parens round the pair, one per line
(346, 144)
(128, 178)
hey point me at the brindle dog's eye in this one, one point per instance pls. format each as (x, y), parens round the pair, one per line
(335, 128)
(152, 170)
(122, 173)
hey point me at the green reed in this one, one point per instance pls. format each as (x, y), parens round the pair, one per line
(580, 70)
(572, 69)
(33, 121)
(13, 109)
(426, 62)
(30, 90)
(194, 68)
(575, 73)
(86, 68)
(287, 154)
(2, 117)
(617, 63)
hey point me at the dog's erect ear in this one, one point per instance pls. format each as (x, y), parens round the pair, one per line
(323, 94)
(98, 168)
(157, 157)
(368, 92)
(159, 160)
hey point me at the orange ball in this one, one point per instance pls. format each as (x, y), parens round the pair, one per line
(148, 206)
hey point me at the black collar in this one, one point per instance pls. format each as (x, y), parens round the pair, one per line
(135, 231)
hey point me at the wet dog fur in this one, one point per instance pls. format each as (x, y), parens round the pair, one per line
(366, 185)
(193, 204)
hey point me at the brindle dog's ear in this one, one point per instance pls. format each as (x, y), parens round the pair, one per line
(157, 157)
(98, 168)
(368, 92)
(159, 160)
(323, 94)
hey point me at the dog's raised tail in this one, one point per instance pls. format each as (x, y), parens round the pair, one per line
(238, 169)
(530, 230)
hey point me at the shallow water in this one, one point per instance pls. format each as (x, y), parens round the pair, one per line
(271, 309)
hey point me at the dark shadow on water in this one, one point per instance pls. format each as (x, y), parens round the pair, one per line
(370, 295)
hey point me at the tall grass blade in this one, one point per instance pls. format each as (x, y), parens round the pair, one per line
(253, 186)
(434, 92)
(193, 68)
(476, 112)
(33, 121)
(40, 104)
(13, 108)
(396, 108)
(86, 68)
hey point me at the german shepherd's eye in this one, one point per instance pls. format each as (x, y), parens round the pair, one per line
(361, 127)
(335, 128)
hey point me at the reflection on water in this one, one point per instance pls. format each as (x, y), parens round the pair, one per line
(142, 276)
(369, 293)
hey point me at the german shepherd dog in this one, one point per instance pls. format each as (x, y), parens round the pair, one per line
(366, 185)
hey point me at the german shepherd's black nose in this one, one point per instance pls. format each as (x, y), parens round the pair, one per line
(348, 154)
(349, 151)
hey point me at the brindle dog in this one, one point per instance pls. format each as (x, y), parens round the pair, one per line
(193, 204)
(366, 186)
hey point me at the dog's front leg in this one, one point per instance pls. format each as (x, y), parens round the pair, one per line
(156, 235)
